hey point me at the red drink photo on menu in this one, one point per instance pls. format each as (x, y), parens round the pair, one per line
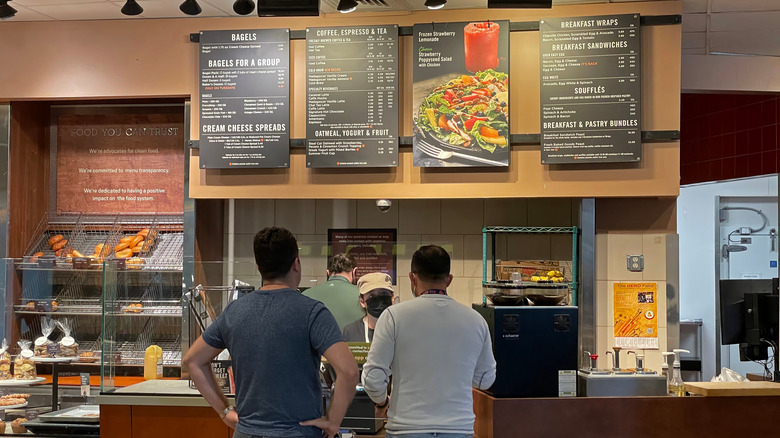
(481, 46)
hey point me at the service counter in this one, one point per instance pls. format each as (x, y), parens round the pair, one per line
(625, 416)
(159, 408)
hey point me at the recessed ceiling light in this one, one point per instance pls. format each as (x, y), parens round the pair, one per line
(347, 6)
(243, 7)
(435, 4)
(132, 8)
(190, 7)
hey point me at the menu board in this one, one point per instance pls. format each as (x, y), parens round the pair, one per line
(590, 89)
(373, 249)
(352, 96)
(461, 94)
(121, 163)
(244, 98)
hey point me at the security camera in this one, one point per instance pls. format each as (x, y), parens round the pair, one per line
(383, 205)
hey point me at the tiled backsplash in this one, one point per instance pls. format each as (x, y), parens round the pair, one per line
(453, 224)
(611, 252)
(457, 226)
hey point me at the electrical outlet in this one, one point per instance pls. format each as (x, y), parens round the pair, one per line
(745, 240)
(635, 263)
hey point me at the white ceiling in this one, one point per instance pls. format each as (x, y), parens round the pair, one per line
(744, 27)
(55, 10)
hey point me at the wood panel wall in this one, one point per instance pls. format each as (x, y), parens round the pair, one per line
(28, 173)
(117, 64)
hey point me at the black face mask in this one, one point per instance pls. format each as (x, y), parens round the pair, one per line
(376, 305)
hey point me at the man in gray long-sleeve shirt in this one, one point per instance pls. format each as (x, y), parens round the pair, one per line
(436, 348)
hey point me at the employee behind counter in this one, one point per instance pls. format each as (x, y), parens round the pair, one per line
(376, 295)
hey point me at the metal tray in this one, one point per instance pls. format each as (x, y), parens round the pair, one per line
(76, 414)
(62, 429)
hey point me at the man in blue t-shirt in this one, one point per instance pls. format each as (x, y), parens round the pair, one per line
(276, 337)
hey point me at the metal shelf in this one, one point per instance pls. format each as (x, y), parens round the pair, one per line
(527, 230)
(493, 230)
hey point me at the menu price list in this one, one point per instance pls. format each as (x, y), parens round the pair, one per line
(590, 89)
(352, 96)
(244, 98)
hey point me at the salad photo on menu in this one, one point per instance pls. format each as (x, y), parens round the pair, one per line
(469, 111)
(461, 94)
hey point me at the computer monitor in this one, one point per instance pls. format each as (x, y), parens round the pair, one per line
(749, 315)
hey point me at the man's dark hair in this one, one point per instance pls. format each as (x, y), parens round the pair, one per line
(341, 263)
(275, 252)
(431, 263)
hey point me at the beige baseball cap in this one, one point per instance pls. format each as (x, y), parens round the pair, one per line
(375, 280)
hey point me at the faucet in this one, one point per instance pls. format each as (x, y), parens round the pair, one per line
(640, 359)
(617, 358)
(613, 360)
(593, 358)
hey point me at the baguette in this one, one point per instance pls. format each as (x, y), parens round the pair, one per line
(59, 244)
(127, 239)
(125, 253)
(121, 246)
(76, 254)
(144, 232)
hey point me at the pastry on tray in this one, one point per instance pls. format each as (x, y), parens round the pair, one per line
(18, 425)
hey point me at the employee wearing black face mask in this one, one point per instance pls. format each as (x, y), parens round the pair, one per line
(376, 294)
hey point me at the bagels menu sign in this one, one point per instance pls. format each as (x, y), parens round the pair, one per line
(128, 163)
(245, 98)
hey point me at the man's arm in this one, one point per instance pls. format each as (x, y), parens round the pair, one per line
(339, 356)
(198, 360)
(485, 371)
(376, 371)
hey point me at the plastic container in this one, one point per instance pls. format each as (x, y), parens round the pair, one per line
(153, 363)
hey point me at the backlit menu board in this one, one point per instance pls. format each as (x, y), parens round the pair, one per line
(352, 96)
(590, 89)
(461, 94)
(244, 98)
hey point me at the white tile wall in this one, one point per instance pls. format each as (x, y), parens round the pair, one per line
(454, 224)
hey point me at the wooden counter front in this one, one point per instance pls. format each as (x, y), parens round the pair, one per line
(584, 417)
(123, 421)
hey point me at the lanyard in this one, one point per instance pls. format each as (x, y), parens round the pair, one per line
(434, 292)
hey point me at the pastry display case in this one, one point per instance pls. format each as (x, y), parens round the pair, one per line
(57, 288)
(170, 316)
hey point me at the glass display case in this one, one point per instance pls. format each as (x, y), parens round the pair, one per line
(170, 315)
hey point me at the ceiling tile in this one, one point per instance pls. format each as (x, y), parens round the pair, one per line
(694, 52)
(52, 2)
(82, 11)
(26, 14)
(694, 23)
(225, 6)
(170, 9)
(694, 40)
(744, 5)
(748, 42)
(745, 21)
(694, 6)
